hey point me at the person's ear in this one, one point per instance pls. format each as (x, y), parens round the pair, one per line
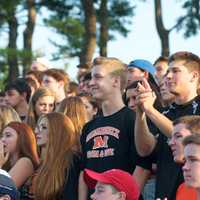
(61, 84)
(195, 75)
(146, 74)
(122, 195)
(116, 81)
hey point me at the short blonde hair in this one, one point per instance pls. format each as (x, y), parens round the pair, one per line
(116, 68)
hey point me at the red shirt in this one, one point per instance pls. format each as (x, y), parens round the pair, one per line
(184, 193)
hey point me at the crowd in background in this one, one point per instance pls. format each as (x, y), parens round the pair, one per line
(123, 132)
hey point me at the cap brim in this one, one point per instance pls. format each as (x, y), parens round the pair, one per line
(91, 178)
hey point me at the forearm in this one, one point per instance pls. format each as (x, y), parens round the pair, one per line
(161, 121)
(141, 176)
(144, 140)
(82, 188)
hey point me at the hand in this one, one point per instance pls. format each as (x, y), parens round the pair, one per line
(3, 155)
(146, 97)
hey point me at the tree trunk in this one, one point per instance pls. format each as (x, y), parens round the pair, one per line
(13, 71)
(103, 28)
(90, 28)
(28, 35)
(162, 31)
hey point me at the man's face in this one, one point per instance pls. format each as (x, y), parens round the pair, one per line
(191, 168)
(102, 83)
(105, 192)
(180, 131)
(164, 91)
(134, 74)
(131, 95)
(51, 83)
(13, 98)
(161, 69)
(179, 78)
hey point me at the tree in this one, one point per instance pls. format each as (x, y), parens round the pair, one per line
(103, 20)
(8, 13)
(162, 31)
(70, 23)
(114, 17)
(90, 31)
(189, 23)
(28, 34)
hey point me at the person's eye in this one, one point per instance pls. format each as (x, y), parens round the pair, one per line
(44, 127)
(7, 134)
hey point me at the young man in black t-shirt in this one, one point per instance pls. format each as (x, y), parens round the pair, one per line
(107, 141)
(183, 81)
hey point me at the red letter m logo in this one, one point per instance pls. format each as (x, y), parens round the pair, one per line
(100, 142)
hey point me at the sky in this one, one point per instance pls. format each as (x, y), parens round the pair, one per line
(142, 41)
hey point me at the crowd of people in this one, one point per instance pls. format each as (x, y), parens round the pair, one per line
(123, 132)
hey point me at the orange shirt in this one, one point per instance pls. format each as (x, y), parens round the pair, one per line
(186, 193)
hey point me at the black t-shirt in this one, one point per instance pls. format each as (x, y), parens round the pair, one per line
(169, 174)
(108, 143)
(70, 190)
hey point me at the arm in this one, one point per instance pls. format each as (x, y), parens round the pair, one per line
(82, 188)
(21, 171)
(145, 142)
(141, 176)
(146, 99)
(163, 123)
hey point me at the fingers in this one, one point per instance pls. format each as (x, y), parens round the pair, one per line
(1, 147)
(3, 155)
(6, 156)
(146, 84)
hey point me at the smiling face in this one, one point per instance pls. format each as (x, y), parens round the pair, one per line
(44, 105)
(179, 79)
(9, 139)
(42, 132)
(105, 192)
(180, 131)
(101, 84)
(191, 168)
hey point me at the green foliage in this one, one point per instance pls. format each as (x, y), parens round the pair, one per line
(120, 17)
(67, 17)
(190, 22)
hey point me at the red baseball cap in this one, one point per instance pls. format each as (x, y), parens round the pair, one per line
(119, 179)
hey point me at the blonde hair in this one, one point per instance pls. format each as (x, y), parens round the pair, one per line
(55, 167)
(116, 68)
(75, 109)
(7, 115)
(32, 118)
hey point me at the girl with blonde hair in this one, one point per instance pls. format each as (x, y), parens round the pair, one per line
(75, 109)
(58, 174)
(7, 114)
(42, 102)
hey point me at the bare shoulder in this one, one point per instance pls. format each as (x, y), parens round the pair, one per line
(22, 169)
(25, 160)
